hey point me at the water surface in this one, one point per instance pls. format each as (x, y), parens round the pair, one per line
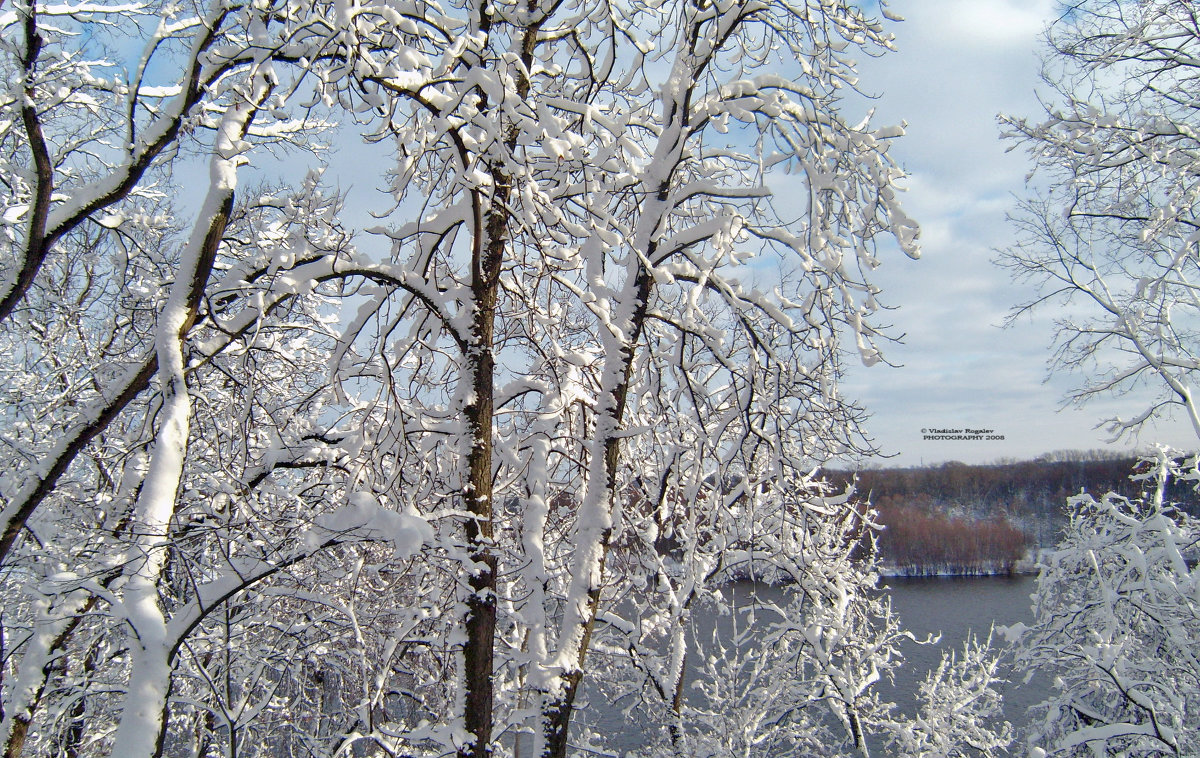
(949, 607)
(955, 607)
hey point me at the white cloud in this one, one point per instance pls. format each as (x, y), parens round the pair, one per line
(996, 24)
(960, 64)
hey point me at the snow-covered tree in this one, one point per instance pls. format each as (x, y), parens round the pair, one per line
(797, 676)
(1113, 234)
(1116, 621)
(1111, 230)
(959, 708)
(147, 404)
(605, 332)
(275, 483)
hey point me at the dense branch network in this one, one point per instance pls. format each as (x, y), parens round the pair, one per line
(277, 481)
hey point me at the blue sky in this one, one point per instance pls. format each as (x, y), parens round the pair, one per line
(960, 64)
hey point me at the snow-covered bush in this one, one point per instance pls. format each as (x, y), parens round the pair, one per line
(1117, 620)
(794, 673)
(791, 663)
(959, 708)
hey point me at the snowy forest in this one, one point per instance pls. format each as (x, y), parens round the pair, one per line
(281, 478)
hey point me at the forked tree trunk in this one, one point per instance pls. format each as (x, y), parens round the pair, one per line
(558, 710)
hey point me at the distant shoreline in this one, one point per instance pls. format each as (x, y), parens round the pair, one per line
(895, 573)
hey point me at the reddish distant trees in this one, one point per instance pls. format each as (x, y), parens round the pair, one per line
(970, 519)
(919, 542)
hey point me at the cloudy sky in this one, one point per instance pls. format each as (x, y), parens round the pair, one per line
(960, 64)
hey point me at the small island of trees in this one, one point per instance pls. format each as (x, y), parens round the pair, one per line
(915, 542)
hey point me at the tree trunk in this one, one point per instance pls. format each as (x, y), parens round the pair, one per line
(480, 622)
(558, 710)
(16, 739)
(856, 732)
(479, 651)
(676, 726)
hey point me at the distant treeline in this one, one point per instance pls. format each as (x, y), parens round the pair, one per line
(915, 542)
(963, 518)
